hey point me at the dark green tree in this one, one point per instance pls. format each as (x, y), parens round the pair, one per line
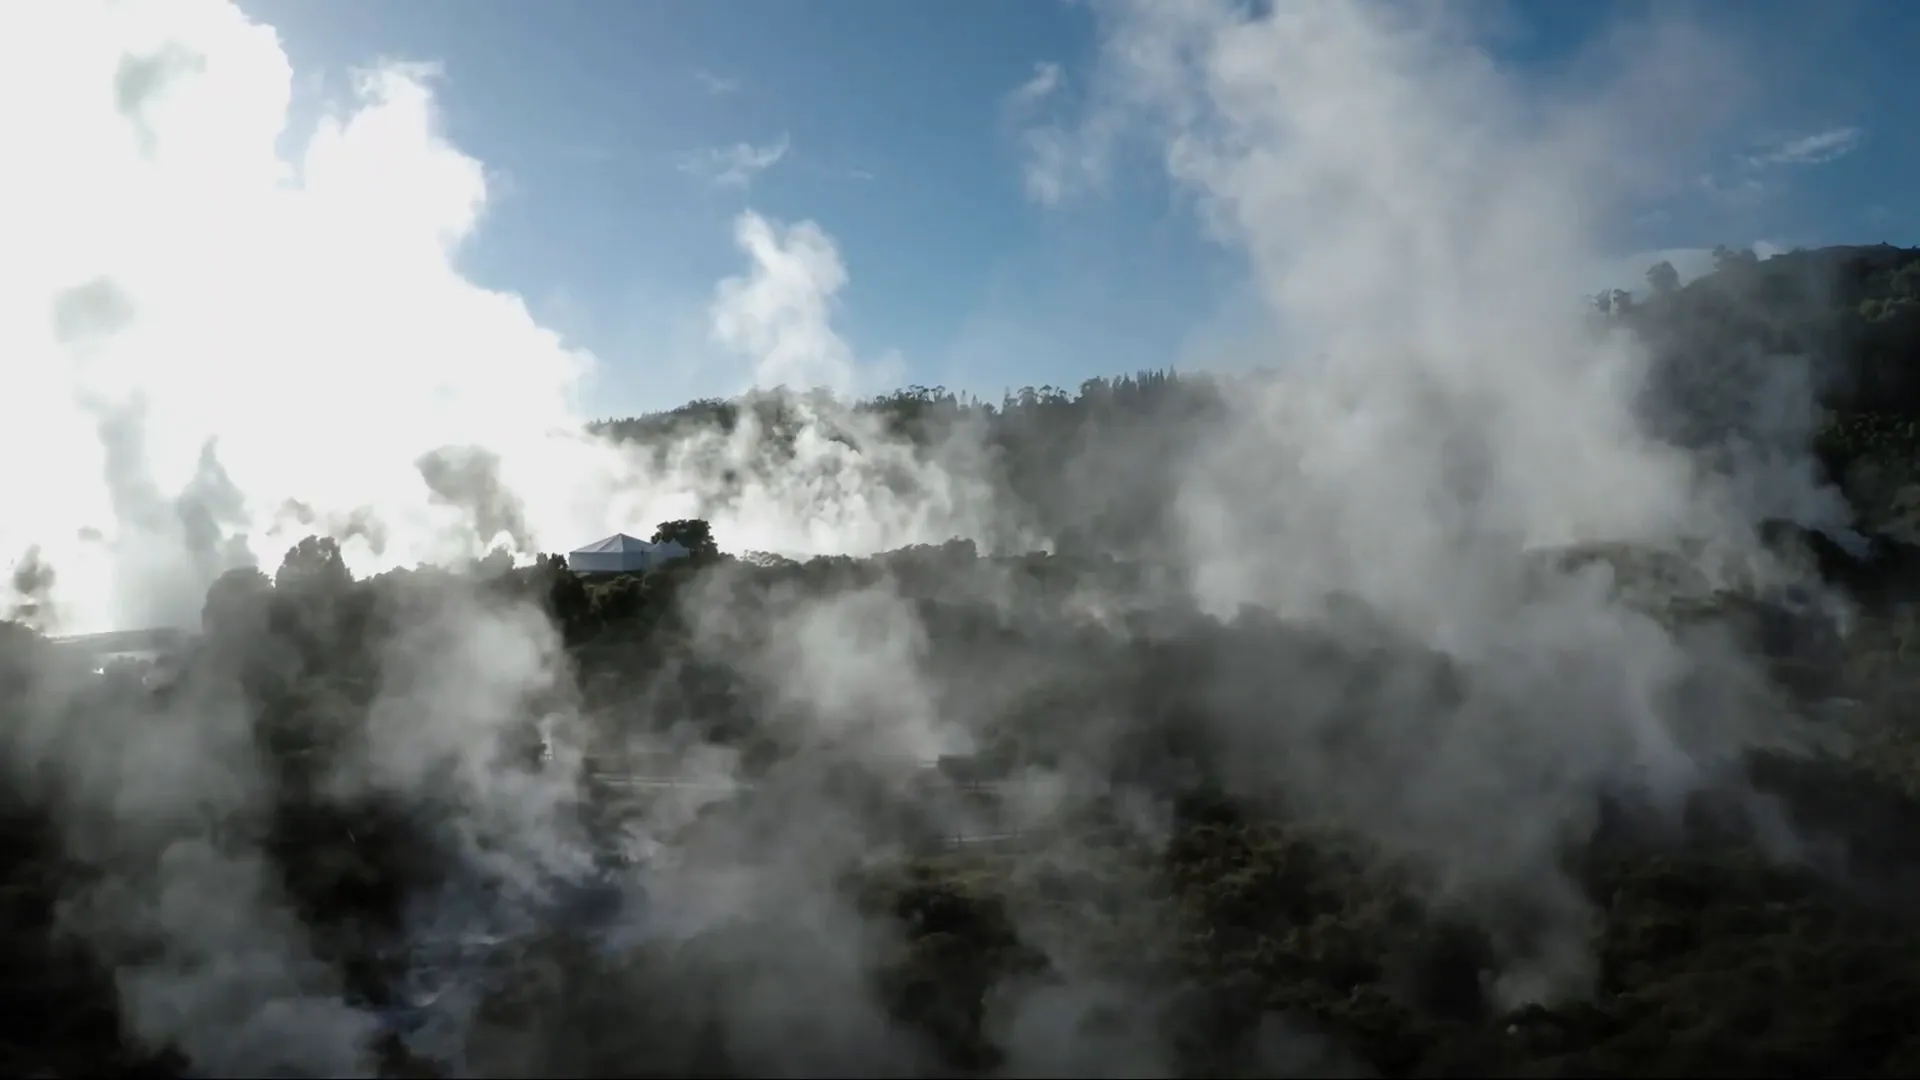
(314, 565)
(694, 534)
(1662, 278)
(237, 605)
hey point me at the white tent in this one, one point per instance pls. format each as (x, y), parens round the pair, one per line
(622, 554)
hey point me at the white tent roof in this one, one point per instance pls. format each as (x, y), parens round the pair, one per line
(619, 542)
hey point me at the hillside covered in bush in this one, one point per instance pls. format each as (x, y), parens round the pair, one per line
(1022, 805)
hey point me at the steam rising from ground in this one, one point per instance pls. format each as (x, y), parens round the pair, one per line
(204, 331)
(1416, 220)
(217, 348)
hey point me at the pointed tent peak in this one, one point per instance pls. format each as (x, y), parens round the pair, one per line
(617, 542)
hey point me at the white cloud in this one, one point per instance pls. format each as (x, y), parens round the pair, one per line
(175, 284)
(1741, 184)
(1814, 149)
(717, 85)
(1057, 162)
(1046, 79)
(1061, 164)
(734, 166)
(780, 314)
(209, 319)
(1055, 167)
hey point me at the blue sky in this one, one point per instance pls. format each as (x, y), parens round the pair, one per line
(609, 128)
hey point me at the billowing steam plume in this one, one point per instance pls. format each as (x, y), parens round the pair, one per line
(215, 349)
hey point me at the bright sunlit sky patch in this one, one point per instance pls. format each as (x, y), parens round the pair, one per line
(622, 139)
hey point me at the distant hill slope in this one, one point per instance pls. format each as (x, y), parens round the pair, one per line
(1734, 349)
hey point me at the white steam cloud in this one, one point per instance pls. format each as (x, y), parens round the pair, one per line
(781, 316)
(215, 347)
(1417, 221)
(220, 339)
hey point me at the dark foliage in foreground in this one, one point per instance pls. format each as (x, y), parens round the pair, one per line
(1251, 939)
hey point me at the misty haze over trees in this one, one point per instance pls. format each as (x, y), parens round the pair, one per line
(1506, 680)
(1025, 803)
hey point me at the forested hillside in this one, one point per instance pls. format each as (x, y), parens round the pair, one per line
(984, 809)
(1734, 348)
(1043, 447)
(1850, 316)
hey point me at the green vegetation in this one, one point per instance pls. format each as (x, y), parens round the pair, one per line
(1041, 448)
(1243, 931)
